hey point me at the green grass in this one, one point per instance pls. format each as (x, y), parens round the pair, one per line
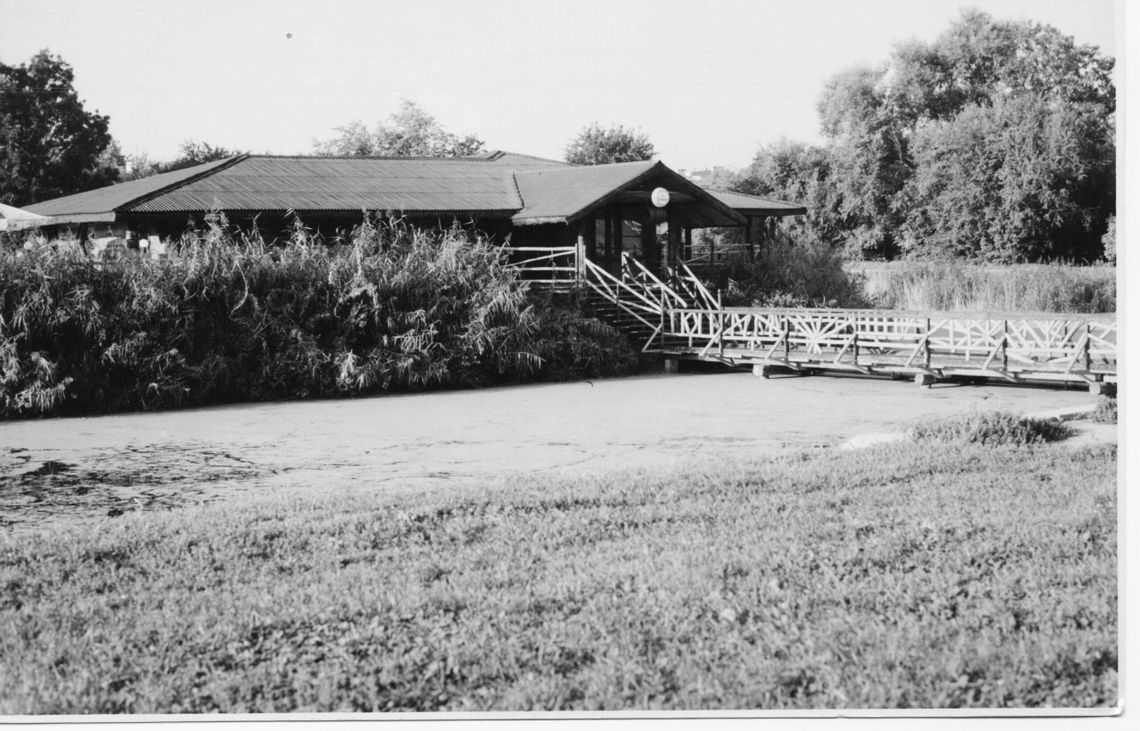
(945, 576)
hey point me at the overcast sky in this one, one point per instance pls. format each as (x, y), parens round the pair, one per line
(708, 81)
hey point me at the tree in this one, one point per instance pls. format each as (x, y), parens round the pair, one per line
(410, 132)
(912, 133)
(796, 172)
(50, 145)
(193, 152)
(597, 146)
(1025, 179)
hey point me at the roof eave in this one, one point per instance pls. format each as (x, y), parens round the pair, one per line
(67, 218)
(539, 220)
(772, 211)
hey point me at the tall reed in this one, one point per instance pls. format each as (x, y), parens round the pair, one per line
(229, 318)
(960, 287)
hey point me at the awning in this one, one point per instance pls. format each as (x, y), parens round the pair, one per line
(17, 219)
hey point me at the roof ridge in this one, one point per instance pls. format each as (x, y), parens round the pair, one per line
(518, 190)
(419, 158)
(222, 165)
(535, 157)
(568, 167)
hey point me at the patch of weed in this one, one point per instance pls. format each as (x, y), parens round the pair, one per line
(993, 428)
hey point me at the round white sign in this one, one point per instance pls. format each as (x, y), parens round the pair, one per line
(659, 197)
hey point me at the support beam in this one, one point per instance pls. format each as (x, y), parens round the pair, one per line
(644, 196)
(589, 234)
(674, 249)
(650, 255)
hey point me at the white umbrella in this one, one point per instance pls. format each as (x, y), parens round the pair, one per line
(15, 219)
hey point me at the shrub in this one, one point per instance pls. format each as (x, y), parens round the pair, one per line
(1105, 411)
(571, 345)
(228, 318)
(1108, 241)
(994, 428)
(786, 273)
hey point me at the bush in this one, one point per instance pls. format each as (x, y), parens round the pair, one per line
(1106, 412)
(994, 428)
(785, 273)
(231, 318)
(1108, 241)
(571, 345)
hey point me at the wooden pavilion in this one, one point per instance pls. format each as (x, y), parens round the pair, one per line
(645, 208)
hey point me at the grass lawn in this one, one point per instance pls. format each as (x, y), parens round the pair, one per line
(906, 576)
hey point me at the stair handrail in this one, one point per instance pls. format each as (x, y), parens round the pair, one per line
(702, 290)
(610, 287)
(643, 273)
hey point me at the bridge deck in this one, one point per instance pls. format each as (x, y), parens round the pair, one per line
(1046, 347)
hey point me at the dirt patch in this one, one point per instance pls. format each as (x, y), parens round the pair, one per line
(103, 467)
(114, 482)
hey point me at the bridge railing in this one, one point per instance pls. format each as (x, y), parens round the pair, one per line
(1058, 343)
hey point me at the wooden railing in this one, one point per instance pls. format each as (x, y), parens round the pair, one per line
(553, 267)
(1015, 347)
(687, 320)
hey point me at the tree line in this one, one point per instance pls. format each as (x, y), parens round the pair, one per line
(51, 146)
(995, 142)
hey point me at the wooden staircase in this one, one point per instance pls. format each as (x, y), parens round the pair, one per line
(636, 302)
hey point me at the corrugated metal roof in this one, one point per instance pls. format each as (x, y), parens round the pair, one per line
(755, 205)
(112, 197)
(345, 184)
(559, 193)
(534, 190)
(518, 160)
(554, 195)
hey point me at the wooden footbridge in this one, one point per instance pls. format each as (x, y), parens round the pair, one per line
(676, 316)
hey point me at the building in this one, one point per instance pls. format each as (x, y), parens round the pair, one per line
(644, 208)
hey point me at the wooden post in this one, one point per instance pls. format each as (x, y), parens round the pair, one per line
(1088, 342)
(650, 255)
(926, 344)
(608, 238)
(579, 260)
(674, 226)
(720, 327)
(590, 229)
(688, 252)
(1004, 346)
